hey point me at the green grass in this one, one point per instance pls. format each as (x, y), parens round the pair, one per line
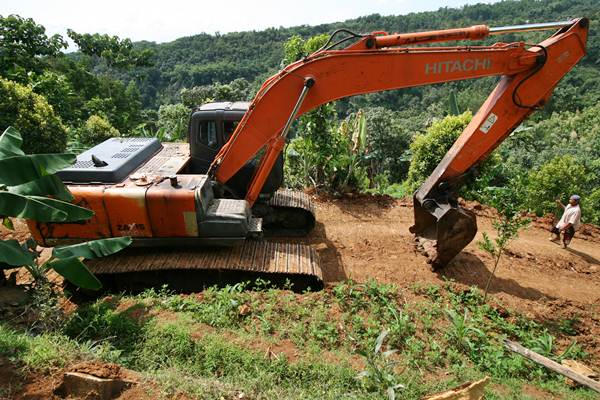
(213, 345)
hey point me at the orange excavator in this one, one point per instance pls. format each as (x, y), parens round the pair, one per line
(197, 211)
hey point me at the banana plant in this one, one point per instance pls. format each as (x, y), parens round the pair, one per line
(30, 190)
(356, 130)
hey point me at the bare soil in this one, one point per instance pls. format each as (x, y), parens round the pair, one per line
(21, 385)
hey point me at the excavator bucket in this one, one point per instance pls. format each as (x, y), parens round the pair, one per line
(442, 230)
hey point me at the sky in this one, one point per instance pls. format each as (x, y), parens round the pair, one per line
(166, 20)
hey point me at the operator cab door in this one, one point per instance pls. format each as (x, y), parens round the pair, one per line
(205, 140)
(209, 130)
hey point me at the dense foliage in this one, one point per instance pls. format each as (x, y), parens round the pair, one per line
(31, 114)
(45, 91)
(96, 130)
(428, 149)
(204, 59)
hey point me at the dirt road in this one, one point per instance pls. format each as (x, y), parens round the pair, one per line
(362, 239)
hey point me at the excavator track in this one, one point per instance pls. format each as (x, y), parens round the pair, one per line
(188, 270)
(287, 213)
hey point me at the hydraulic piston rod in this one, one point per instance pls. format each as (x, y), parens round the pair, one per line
(476, 32)
(544, 26)
(275, 147)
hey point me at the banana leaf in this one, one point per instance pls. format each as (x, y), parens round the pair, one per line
(13, 255)
(46, 185)
(16, 205)
(73, 270)
(93, 248)
(17, 170)
(10, 143)
(74, 213)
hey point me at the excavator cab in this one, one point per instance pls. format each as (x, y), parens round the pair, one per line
(210, 127)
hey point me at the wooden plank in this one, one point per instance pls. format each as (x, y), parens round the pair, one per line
(554, 366)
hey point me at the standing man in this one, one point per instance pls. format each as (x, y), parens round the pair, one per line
(569, 221)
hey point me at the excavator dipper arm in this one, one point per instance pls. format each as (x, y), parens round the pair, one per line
(380, 62)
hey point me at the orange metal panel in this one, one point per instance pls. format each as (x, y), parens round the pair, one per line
(172, 209)
(343, 73)
(96, 227)
(127, 210)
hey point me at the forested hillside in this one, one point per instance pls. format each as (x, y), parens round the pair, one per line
(385, 142)
(204, 59)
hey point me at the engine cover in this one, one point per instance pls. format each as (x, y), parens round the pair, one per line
(111, 161)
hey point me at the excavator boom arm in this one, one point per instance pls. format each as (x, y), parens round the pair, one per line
(378, 62)
(529, 74)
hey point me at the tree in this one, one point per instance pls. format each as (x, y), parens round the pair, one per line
(59, 92)
(116, 52)
(24, 47)
(96, 130)
(429, 149)
(388, 141)
(507, 227)
(559, 178)
(30, 113)
(25, 181)
(173, 121)
(236, 90)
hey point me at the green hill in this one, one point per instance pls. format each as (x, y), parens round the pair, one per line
(204, 59)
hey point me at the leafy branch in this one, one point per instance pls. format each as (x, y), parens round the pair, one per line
(507, 227)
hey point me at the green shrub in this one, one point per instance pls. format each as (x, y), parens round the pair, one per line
(30, 113)
(326, 156)
(389, 136)
(173, 119)
(429, 149)
(557, 179)
(96, 130)
(591, 207)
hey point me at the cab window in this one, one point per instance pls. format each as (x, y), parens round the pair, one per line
(229, 128)
(208, 134)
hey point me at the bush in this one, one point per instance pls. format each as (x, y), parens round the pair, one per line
(389, 137)
(429, 149)
(173, 120)
(328, 157)
(591, 207)
(557, 179)
(96, 130)
(42, 130)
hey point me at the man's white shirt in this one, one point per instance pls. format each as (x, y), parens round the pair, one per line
(571, 215)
